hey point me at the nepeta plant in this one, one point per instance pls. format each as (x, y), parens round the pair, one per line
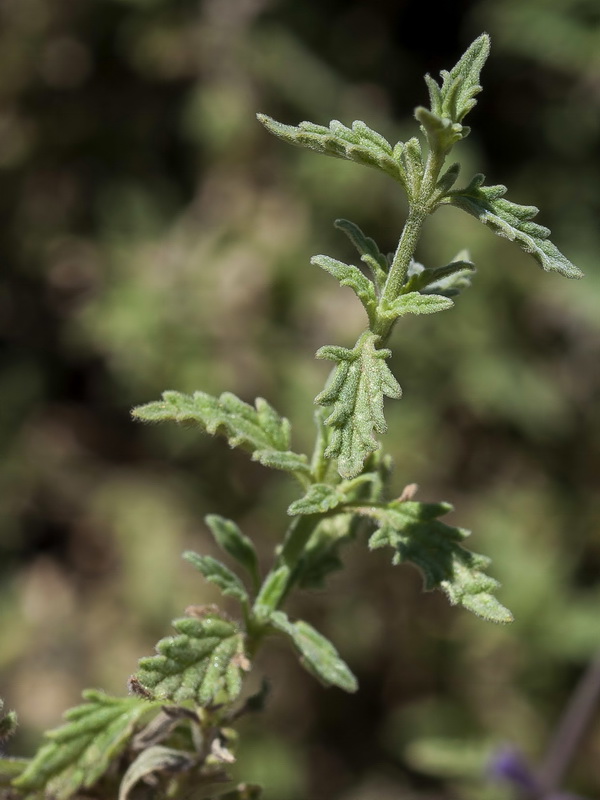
(174, 732)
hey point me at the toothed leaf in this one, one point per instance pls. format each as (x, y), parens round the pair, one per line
(416, 303)
(204, 661)
(81, 751)
(358, 143)
(318, 499)
(349, 275)
(411, 158)
(370, 253)
(360, 382)
(512, 221)
(447, 281)
(230, 539)
(258, 429)
(417, 535)
(217, 573)
(317, 653)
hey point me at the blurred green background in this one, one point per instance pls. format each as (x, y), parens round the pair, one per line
(154, 236)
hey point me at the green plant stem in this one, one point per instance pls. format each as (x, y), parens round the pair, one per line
(296, 540)
(420, 209)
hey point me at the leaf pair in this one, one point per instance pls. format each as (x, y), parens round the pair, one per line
(230, 538)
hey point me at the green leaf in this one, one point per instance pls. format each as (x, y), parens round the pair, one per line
(319, 499)
(81, 751)
(317, 653)
(260, 430)
(453, 100)
(359, 143)
(230, 539)
(203, 662)
(512, 221)
(151, 760)
(349, 275)
(417, 535)
(411, 159)
(217, 573)
(8, 723)
(360, 382)
(272, 590)
(370, 253)
(416, 303)
(447, 281)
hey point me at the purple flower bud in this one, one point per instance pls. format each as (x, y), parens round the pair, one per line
(510, 765)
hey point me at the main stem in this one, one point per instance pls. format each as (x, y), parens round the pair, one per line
(420, 208)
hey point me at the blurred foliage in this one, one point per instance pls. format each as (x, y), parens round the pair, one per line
(155, 238)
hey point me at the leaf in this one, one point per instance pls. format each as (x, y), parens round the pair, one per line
(79, 753)
(370, 253)
(272, 591)
(259, 430)
(349, 275)
(447, 281)
(317, 653)
(416, 303)
(8, 723)
(319, 499)
(217, 573)
(359, 143)
(230, 539)
(154, 759)
(360, 382)
(417, 535)
(204, 661)
(411, 158)
(453, 100)
(512, 221)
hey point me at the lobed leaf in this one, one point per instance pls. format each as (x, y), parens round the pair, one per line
(258, 429)
(319, 499)
(204, 661)
(217, 573)
(230, 539)
(512, 221)
(370, 253)
(360, 382)
(317, 653)
(358, 143)
(452, 101)
(411, 158)
(416, 534)
(349, 275)
(79, 753)
(416, 303)
(448, 281)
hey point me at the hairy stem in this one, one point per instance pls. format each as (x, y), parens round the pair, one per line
(420, 209)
